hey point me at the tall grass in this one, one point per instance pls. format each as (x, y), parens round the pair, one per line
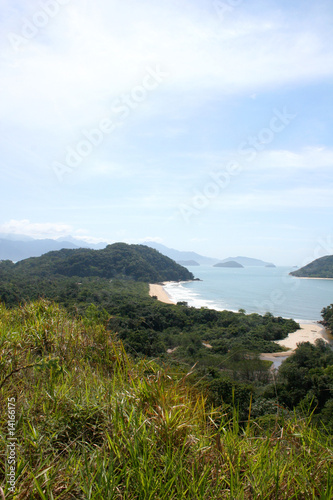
(94, 424)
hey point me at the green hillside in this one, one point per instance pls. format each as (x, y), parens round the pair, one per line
(135, 262)
(116, 395)
(319, 268)
(91, 423)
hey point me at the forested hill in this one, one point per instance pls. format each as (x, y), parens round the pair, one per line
(120, 260)
(319, 268)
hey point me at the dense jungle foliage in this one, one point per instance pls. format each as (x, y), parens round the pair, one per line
(327, 314)
(93, 423)
(136, 262)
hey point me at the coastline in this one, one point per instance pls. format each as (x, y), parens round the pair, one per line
(310, 278)
(157, 290)
(309, 332)
(273, 292)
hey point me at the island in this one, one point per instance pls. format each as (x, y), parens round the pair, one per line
(247, 261)
(229, 263)
(188, 263)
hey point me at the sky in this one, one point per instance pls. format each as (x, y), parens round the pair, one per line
(205, 125)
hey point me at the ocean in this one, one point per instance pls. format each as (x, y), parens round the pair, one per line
(255, 289)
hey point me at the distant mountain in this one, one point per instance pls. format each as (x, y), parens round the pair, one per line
(319, 268)
(248, 261)
(179, 255)
(83, 244)
(120, 261)
(229, 263)
(18, 250)
(12, 248)
(188, 263)
(15, 237)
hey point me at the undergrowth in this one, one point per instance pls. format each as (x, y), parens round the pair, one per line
(91, 423)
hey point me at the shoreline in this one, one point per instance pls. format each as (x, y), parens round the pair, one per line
(309, 332)
(163, 296)
(309, 278)
(157, 290)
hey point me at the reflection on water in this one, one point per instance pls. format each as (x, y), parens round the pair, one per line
(276, 360)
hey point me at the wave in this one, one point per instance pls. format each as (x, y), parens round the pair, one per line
(180, 293)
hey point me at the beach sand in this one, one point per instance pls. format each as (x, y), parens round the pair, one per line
(308, 278)
(309, 332)
(160, 293)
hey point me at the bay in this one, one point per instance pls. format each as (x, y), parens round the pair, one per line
(257, 290)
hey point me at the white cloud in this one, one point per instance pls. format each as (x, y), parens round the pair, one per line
(102, 169)
(309, 158)
(224, 78)
(85, 58)
(279, 160)
(41, 230)
(282, 199)
(155, 239)
(35, 229)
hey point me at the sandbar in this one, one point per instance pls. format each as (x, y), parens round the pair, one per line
(159, 292)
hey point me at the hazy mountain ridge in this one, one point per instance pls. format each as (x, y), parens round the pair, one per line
(179, 255)
(18, 247)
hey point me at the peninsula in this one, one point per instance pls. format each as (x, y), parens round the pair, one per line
(319, 268)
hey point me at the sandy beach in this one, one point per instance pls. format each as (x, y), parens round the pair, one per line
(308, 278)
(159, 292)
(309, 332)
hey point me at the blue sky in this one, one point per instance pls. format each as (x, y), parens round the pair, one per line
(204, 125)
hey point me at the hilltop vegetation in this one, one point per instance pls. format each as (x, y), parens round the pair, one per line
(136, 262)
(319, 268)
(92, 423)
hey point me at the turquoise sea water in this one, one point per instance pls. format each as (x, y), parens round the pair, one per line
(255, 289)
